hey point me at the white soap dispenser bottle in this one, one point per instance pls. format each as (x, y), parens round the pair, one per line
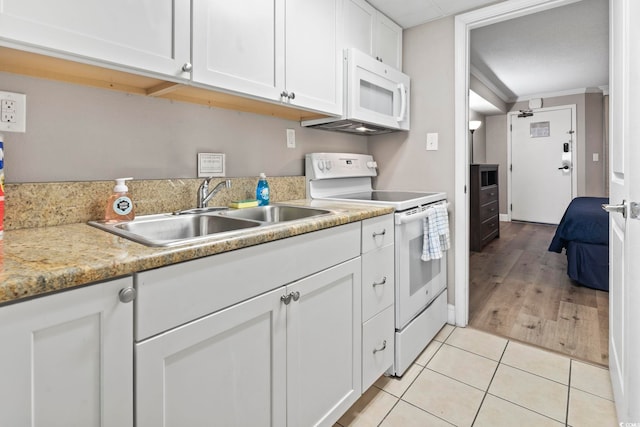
(119, 205)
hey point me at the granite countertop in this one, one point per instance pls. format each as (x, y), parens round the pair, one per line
(37, 261)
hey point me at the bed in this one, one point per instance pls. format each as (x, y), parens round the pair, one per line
(584, 233)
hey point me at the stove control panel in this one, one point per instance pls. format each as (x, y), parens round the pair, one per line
(339, 165)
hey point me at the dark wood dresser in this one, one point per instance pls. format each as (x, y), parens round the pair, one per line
(484, 211)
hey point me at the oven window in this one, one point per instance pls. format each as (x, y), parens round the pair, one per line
(420, 272)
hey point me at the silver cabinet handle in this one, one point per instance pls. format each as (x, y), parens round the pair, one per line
(284, 94)
(286, 299)
(127, 294)
(187, 67)
(384, 345)
(382, 233)
(384, 280)
(292, 95)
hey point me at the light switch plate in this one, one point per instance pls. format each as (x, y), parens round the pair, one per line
(291, 138)
(13, 108)
(211, 164)
(432, 141)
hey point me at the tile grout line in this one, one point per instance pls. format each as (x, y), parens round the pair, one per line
(568, 393)
(486, 392)
(400, 398)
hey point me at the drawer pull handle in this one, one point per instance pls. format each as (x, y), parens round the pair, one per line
(384, 280)
(384, 345)
(384, 231)
(295, 295)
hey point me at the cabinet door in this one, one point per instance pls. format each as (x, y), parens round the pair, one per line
(151, 35)
(313, 55)
(67, 359)
(239, 46)
(359, 22)
(388, 42)
(324, 345)
(225, 369)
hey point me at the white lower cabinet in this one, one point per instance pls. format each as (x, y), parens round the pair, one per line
(226, 369)
(323, 351)
(283, 358)
(378, 294)
(290, 356)
(67, 359)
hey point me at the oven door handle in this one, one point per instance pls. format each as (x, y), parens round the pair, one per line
(404, 218)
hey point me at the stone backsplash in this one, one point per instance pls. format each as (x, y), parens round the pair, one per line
(30, 205)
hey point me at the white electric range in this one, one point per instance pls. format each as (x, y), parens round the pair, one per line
(420, 286)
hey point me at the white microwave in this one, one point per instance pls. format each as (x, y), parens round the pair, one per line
(376, 98)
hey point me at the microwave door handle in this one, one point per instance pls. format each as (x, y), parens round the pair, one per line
(403, 102)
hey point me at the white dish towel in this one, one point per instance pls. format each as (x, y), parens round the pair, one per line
(436, 233)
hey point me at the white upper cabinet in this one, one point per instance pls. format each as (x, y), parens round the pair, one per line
(144, 35)
(276, 50)
(239, 46)
(370, 31)
(313, 56)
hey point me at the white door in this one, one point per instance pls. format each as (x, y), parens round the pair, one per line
(226, 369)
(148, 35)
(542, 164)
(624, 240)
(239, 51)
(324, 345)
(67, 359)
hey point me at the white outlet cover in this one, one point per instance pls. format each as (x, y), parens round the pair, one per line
(432, 141)
(19, 106)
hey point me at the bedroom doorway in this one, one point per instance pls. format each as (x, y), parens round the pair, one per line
(543, 167)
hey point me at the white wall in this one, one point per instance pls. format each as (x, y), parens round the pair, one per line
(77, 133)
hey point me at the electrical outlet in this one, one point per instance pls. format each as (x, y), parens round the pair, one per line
(13, 108)
(291, 138)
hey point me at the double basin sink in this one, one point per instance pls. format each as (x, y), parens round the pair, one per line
(199, 224)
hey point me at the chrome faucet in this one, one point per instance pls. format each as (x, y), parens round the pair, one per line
(204, 195)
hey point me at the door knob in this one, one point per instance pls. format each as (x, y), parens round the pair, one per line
(634, 209)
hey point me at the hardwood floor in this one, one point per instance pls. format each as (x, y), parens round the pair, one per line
(521, 291)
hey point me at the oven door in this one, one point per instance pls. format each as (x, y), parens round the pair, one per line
(418, 282)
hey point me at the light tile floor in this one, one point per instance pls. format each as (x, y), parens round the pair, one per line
(466, 377)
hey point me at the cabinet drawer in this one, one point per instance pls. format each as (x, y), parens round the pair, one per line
(488, 210)
(490, 226)
(377, 267)
(377, 346)
(377, 232)
(488, 194)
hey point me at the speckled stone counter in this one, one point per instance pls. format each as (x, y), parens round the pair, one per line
(37, 261)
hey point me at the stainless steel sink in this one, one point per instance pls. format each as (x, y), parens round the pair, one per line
(190, 226)
(171, 230)
(274, 213)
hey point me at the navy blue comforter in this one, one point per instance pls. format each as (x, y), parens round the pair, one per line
(584, 221)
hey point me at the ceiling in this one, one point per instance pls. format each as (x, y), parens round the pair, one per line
(560, 50)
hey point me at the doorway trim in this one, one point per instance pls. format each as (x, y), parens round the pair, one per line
(462, 27)
(575, 165)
